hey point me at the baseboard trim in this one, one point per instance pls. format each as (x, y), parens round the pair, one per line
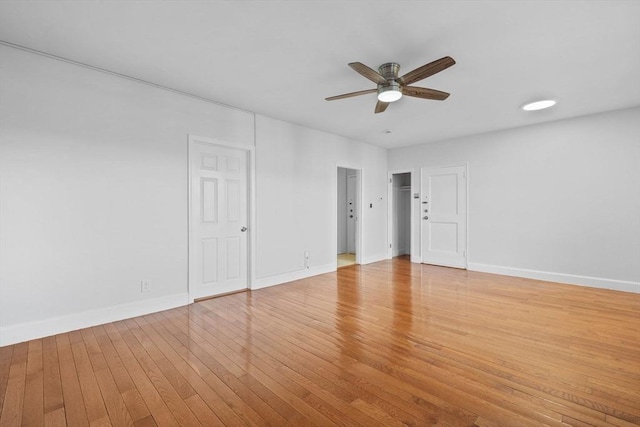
(593, 282)
(278, 279)
(43, 328)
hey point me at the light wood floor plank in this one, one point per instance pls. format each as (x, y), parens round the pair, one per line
(203, 412)
(6, 354)
(386, 344)
(308, 369)
(33, 409)
(310, 361)
(55, 418)
(159, 410)
(129, 393)
(53, 398)
(93, 399)
(386, 367)
(264, 373)
(193, 371)
(233, 391)
(114, 403)
(11, 414)
(74, 408)
(227, 406)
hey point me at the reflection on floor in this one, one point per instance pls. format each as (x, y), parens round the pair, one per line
(346, 259)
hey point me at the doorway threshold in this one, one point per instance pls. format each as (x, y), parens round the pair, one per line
(345, 260)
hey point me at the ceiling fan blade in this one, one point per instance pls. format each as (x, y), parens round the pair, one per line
(426, 70)
(424, 93)
(349, 95)
(367, 72)
(381, 106)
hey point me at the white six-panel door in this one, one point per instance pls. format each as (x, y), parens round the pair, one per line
(443, 213)
(217, 220)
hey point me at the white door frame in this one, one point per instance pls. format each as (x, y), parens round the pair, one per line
(251, 202)
(359, 211)
(465, 165)
(414, 189)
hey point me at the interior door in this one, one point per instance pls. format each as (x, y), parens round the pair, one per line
(217, 220)
(443, 209)
(352, 213)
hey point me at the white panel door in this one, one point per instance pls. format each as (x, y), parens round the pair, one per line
(217, 220)
(352, 212)
(443, 209)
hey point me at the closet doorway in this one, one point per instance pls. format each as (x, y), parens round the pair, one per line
(348, 216)
(400, 206)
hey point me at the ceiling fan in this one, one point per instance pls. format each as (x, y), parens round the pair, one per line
(391, 87)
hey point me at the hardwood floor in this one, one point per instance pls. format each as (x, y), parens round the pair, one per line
(390, 343)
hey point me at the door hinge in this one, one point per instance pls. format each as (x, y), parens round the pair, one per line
(464, 174)
(464, 254)
(389, 245)
(390, 180)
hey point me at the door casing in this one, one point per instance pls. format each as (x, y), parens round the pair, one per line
(415, 187)
(359, 210)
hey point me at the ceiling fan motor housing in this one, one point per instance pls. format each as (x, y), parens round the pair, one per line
(391, 91)
(389, 71)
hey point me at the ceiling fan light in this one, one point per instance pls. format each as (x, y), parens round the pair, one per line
(539, 105)
(390, 93)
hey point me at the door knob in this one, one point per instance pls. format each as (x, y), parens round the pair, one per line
(425, 217)
(243, 229)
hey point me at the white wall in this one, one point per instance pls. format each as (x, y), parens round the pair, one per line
(93, 187)
(93, 194)
(558, 201)
(297, 198)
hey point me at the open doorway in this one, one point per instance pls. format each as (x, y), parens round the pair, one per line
(400, 238)
(348, 215)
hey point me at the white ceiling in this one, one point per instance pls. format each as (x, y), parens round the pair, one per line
(282, 58)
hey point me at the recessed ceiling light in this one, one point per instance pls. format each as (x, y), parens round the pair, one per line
(539, 105)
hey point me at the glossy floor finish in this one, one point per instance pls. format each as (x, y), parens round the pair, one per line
(390, 343)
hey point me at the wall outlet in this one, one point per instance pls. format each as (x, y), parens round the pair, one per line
(306, 259)
(145, 286)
